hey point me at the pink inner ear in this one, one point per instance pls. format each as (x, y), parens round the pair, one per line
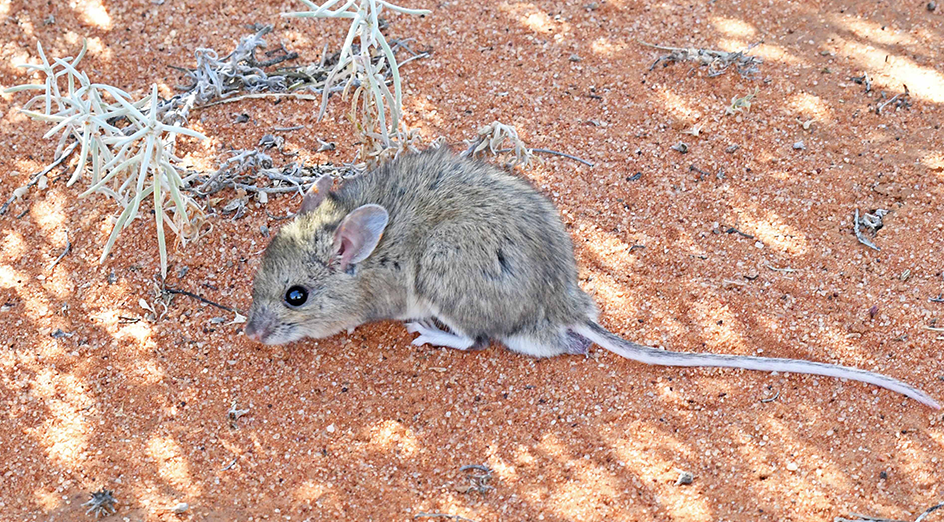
(345, 252)
(358, 234)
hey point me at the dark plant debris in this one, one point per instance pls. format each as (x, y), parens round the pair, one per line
(717, 62)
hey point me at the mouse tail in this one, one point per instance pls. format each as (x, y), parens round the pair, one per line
(649, 355)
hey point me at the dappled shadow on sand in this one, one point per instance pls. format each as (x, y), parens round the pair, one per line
(749, 252)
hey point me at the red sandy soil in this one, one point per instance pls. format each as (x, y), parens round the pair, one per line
(367, 427)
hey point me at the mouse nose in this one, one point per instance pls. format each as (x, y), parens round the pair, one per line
(256, 328)
(253, 332)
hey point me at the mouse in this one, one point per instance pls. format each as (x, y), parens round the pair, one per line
(465, 253)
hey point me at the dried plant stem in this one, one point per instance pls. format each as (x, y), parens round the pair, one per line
(360, 70)
(490, 137)
(556, 153)
(458, 518)
(716, 61)
(901, 98)
(268, 95)
(865, 518)
(64, 253)
(174, 291)
(34, 179)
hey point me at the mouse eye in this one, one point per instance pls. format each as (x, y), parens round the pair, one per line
(296, 296)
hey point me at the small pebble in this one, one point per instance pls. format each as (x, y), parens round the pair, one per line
(330, 428)
(799, 146)
(932, 6)
(684, 478)
(792, 466)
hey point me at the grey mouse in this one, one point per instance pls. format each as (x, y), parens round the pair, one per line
(436, 239)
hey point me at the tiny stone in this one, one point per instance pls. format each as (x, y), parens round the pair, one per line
(330, 428)
(684, 478)
(792, 466)
(574, 58)
(799, 145)
(932, 6)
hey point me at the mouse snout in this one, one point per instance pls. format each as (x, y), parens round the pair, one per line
(260, 326)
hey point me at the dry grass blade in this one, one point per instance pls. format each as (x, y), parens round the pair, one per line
(360, 68)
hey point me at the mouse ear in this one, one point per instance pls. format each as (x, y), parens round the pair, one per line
(316, 194)
(359, 233)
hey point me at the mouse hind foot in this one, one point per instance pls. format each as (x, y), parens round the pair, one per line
(432, 335)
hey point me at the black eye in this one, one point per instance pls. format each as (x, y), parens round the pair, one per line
(296, 296)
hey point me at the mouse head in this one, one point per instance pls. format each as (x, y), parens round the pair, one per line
(307, 285)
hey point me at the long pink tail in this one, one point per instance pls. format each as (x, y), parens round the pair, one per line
(649, 355)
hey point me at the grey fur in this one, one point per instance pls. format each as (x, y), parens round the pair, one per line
(466, 244)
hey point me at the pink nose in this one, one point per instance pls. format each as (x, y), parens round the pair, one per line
(255, 331)
(261, 325)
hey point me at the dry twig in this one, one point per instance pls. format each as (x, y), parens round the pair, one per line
(477, 481)
(716, 61)
(565, 155)
(863, 80)
(458, 518)
(34, 179)
(174, 291)
(865, 518)
(871, 221)
(902, 100)
(64, 253)
(234, 414)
